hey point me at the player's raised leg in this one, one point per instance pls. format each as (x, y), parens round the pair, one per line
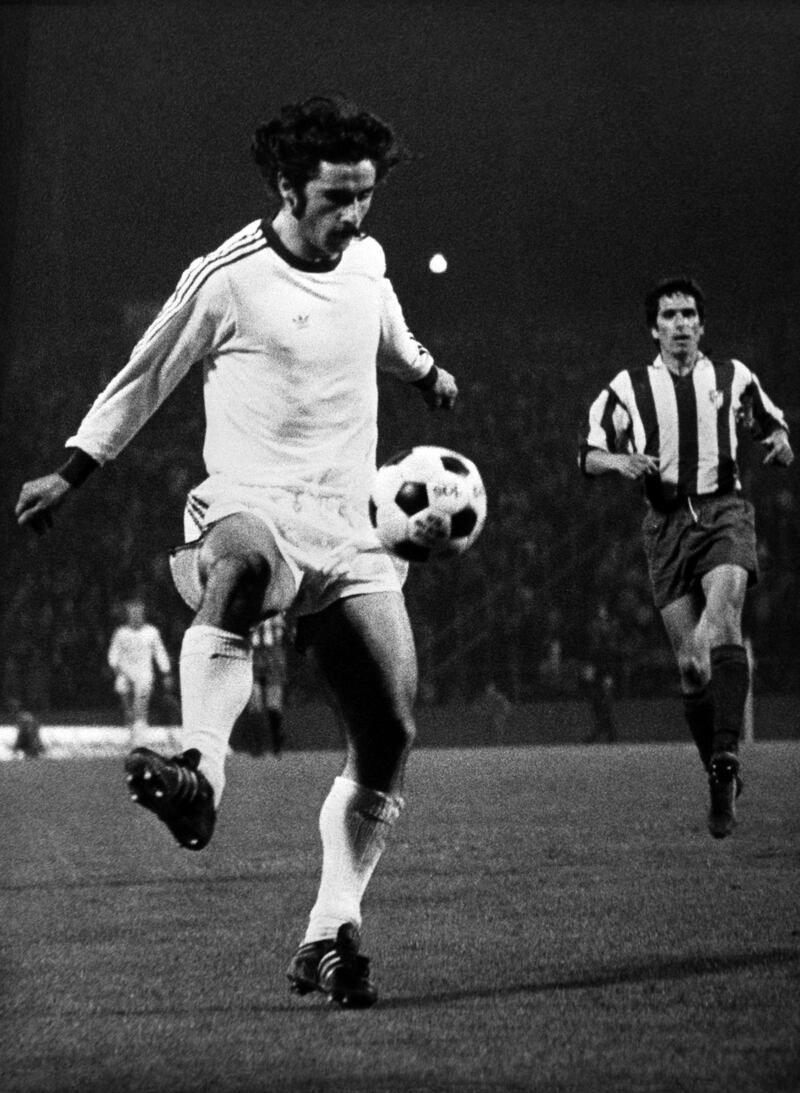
(240, 568)
(365, 649)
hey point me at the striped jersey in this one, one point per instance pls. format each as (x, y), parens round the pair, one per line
(688, 422)
(289, 351)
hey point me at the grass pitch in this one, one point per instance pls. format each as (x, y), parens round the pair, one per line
(545, 918)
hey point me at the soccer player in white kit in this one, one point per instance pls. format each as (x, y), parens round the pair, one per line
(135, 652)
(289, 319)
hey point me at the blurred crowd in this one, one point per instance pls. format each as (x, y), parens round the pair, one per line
(518, 614)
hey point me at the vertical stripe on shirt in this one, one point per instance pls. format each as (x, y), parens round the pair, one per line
(667, 411)
(726, 427)
(650, 442)
(688, 448)
(609, 415)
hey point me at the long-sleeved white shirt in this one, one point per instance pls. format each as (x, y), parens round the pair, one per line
(290, 353)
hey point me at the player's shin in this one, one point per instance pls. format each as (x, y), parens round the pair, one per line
(698, 709)
(216, 682)
(729, 685)
(354, 823)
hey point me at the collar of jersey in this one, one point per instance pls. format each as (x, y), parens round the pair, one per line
(324, 265)
(659, 362)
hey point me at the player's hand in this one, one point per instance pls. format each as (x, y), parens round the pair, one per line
(37, 501)
(634, 465)
(443, 394)
(778, 448)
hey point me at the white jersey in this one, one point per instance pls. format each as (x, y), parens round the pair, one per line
(289, 351)
(134, 650)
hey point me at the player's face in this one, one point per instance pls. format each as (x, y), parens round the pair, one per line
(335, 204)
(678, 327)
(135, 615)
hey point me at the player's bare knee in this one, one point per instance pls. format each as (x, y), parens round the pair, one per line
(692, 670)
(234, 590)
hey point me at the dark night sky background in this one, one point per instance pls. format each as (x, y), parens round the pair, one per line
(569, 153)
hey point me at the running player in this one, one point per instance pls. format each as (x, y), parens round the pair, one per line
(135, 652)
(288, 320)
(673, 425)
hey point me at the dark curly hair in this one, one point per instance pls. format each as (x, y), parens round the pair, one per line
(668, 287)
(321, 128)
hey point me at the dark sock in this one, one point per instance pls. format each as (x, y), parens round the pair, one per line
(730, 682)
(698, 709)
(276, 729)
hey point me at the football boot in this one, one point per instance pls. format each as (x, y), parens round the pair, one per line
(336, 968)
(724, 787)
(176, 791)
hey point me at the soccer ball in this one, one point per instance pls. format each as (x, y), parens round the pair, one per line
(427, 503)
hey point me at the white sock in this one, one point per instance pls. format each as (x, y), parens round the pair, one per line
(138, 733)
(354, 824)
(216, 676)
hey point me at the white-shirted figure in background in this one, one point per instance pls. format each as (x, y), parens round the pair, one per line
(290, 320)
(135, 653)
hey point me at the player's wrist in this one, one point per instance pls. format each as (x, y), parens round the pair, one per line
(77, 468)
(428, 380)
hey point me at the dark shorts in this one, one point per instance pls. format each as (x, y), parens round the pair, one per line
(683, 545)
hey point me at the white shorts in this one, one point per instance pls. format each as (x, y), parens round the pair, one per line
(329, 547)
(130, 684)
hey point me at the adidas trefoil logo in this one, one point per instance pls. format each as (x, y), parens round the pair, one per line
(300, 321)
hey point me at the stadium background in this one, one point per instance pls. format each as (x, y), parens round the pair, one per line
(568, 156)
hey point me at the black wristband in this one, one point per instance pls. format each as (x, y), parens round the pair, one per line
(428, 380)
(77, 468)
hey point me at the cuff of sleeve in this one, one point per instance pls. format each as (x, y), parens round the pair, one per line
(77, 468)
(582, 454)
(428, 380)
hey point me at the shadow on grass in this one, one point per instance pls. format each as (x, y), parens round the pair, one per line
(635, 972)
(84, 884)
(660, 970)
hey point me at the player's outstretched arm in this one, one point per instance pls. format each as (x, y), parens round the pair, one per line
(440, 391)
(38, 499)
